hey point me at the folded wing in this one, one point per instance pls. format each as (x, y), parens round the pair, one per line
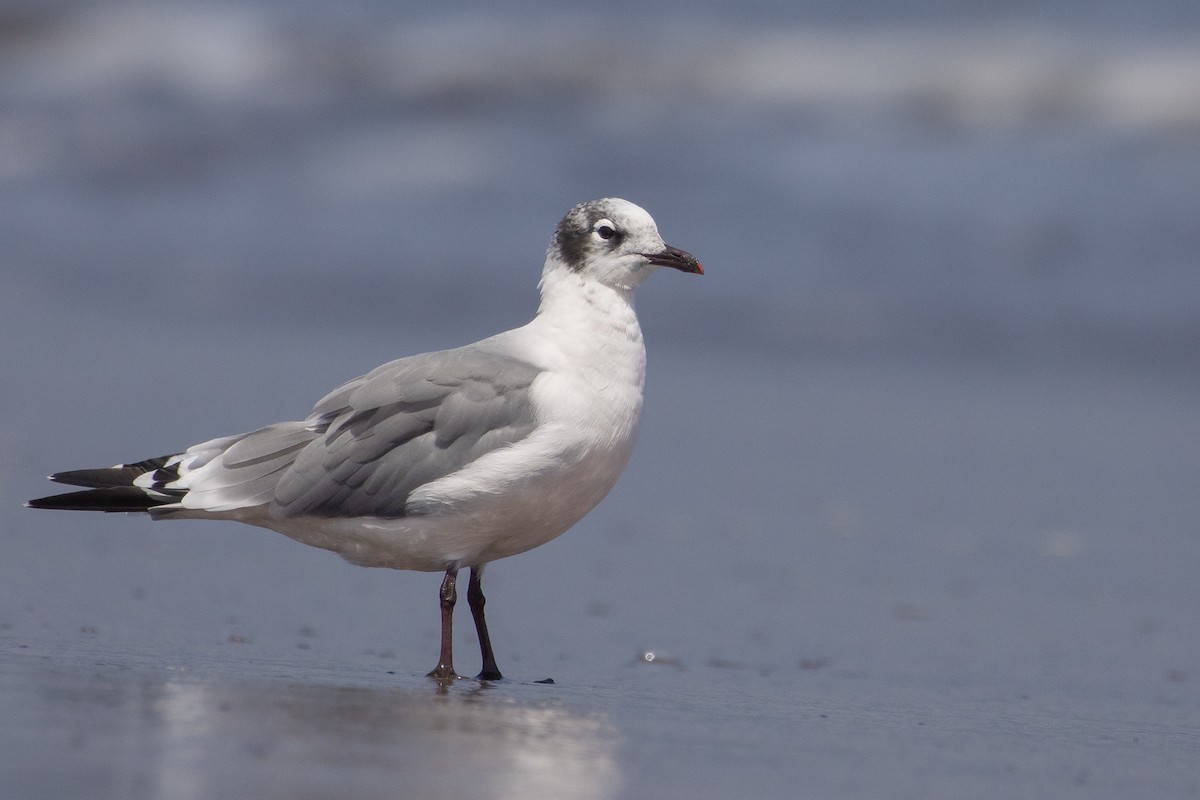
(405, 424)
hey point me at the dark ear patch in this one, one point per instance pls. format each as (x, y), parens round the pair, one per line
(571, 237)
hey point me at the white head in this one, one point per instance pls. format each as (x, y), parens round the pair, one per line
(613, 242)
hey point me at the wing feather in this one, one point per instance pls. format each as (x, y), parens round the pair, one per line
(403, 425)
(235, 471)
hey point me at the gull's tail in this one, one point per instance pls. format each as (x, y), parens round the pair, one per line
(210, 479)
(125, 487)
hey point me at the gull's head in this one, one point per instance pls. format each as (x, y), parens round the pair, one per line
(613, 242)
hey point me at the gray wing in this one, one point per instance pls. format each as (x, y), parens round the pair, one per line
(405, 424)
(231, 472)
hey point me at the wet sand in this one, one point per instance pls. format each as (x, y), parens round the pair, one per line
(119, 727)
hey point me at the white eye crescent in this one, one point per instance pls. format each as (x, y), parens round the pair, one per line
(605, 229)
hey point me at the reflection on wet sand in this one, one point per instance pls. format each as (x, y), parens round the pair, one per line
(129, 736)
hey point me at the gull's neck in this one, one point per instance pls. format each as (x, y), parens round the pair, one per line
(562, 287)
(592, 325)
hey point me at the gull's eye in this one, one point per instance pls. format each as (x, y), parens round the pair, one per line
(605, 229)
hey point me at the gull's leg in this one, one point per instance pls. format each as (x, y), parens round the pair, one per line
(444, 671)
(476, 600)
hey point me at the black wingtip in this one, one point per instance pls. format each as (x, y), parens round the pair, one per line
(113, 498)
(120, 475)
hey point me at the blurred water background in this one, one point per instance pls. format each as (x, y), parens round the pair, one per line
(914, 512)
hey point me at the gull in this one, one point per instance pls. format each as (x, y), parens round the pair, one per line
(447, 459)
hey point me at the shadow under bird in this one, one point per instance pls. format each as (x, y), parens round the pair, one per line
(448, 459)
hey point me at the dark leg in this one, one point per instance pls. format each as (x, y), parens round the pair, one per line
(444, 671)
(476, 600)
